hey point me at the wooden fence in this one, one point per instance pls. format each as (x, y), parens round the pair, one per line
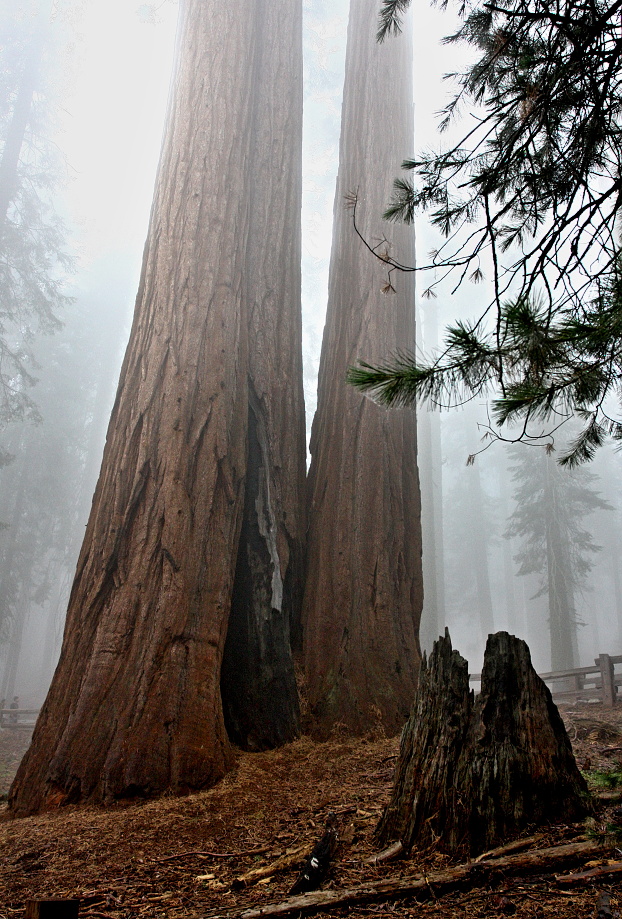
(599, 682)
(18, 718)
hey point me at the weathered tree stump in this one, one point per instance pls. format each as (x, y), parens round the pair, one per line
(473, 772)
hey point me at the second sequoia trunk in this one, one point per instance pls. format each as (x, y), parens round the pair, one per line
(472, 772)
(363, 591)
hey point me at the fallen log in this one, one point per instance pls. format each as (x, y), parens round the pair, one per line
(580, 877)
(386, 855)
(426, 885)
(281, 864)
(517, 845)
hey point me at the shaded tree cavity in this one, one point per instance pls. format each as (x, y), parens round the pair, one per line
(258, 685)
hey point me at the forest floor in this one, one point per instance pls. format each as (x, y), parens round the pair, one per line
(178, 858)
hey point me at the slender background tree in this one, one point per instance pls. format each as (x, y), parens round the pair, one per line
(550, 521)
(34, 258)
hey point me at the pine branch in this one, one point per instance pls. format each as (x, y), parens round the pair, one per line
(389, 20)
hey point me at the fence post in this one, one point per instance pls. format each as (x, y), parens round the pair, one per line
(608, 680)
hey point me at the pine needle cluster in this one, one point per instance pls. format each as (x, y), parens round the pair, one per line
(532, 191)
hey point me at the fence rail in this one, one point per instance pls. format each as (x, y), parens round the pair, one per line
(599, 682)
(18, 718)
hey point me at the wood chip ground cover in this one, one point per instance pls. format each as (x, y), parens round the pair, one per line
(180, 857)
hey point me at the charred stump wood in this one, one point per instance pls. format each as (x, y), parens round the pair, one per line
(473, 772)
(432, 741)
(317, 864)
(52, 909)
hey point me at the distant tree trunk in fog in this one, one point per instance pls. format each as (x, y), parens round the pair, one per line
(135, 705)
(549, 518)
(478, 550)
(562, 615)
(13, 610)
(363, 590)
(14, 647)
(614, 562)
(515, 610)
(9, 178)
(429, 459)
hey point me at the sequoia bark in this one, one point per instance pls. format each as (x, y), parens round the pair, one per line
(135, 704)
(363, 590)
(258, 682)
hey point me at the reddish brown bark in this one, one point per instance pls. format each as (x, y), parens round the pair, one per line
(258, 683)
(135, 704)
(364, 587)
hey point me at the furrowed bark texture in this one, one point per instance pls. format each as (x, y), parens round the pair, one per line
(258, 683)
(135, 704)
(363, 589)
(472, 772)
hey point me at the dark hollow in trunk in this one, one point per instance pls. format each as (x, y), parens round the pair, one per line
(472, 772)
(258, 685)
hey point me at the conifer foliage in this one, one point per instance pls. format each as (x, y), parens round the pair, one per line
(549, 520)
(34, 258)
(528, 196)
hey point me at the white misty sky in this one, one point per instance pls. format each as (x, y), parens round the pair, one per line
(113, 126)
(114, 119)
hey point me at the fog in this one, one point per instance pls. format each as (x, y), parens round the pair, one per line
(484, 538)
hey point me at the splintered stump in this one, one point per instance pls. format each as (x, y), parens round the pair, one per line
(472, 772)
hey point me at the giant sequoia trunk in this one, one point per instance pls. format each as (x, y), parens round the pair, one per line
(258, 683)
(135, 705)
(364, 586)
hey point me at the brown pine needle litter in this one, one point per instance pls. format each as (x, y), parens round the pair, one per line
(178, 858)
